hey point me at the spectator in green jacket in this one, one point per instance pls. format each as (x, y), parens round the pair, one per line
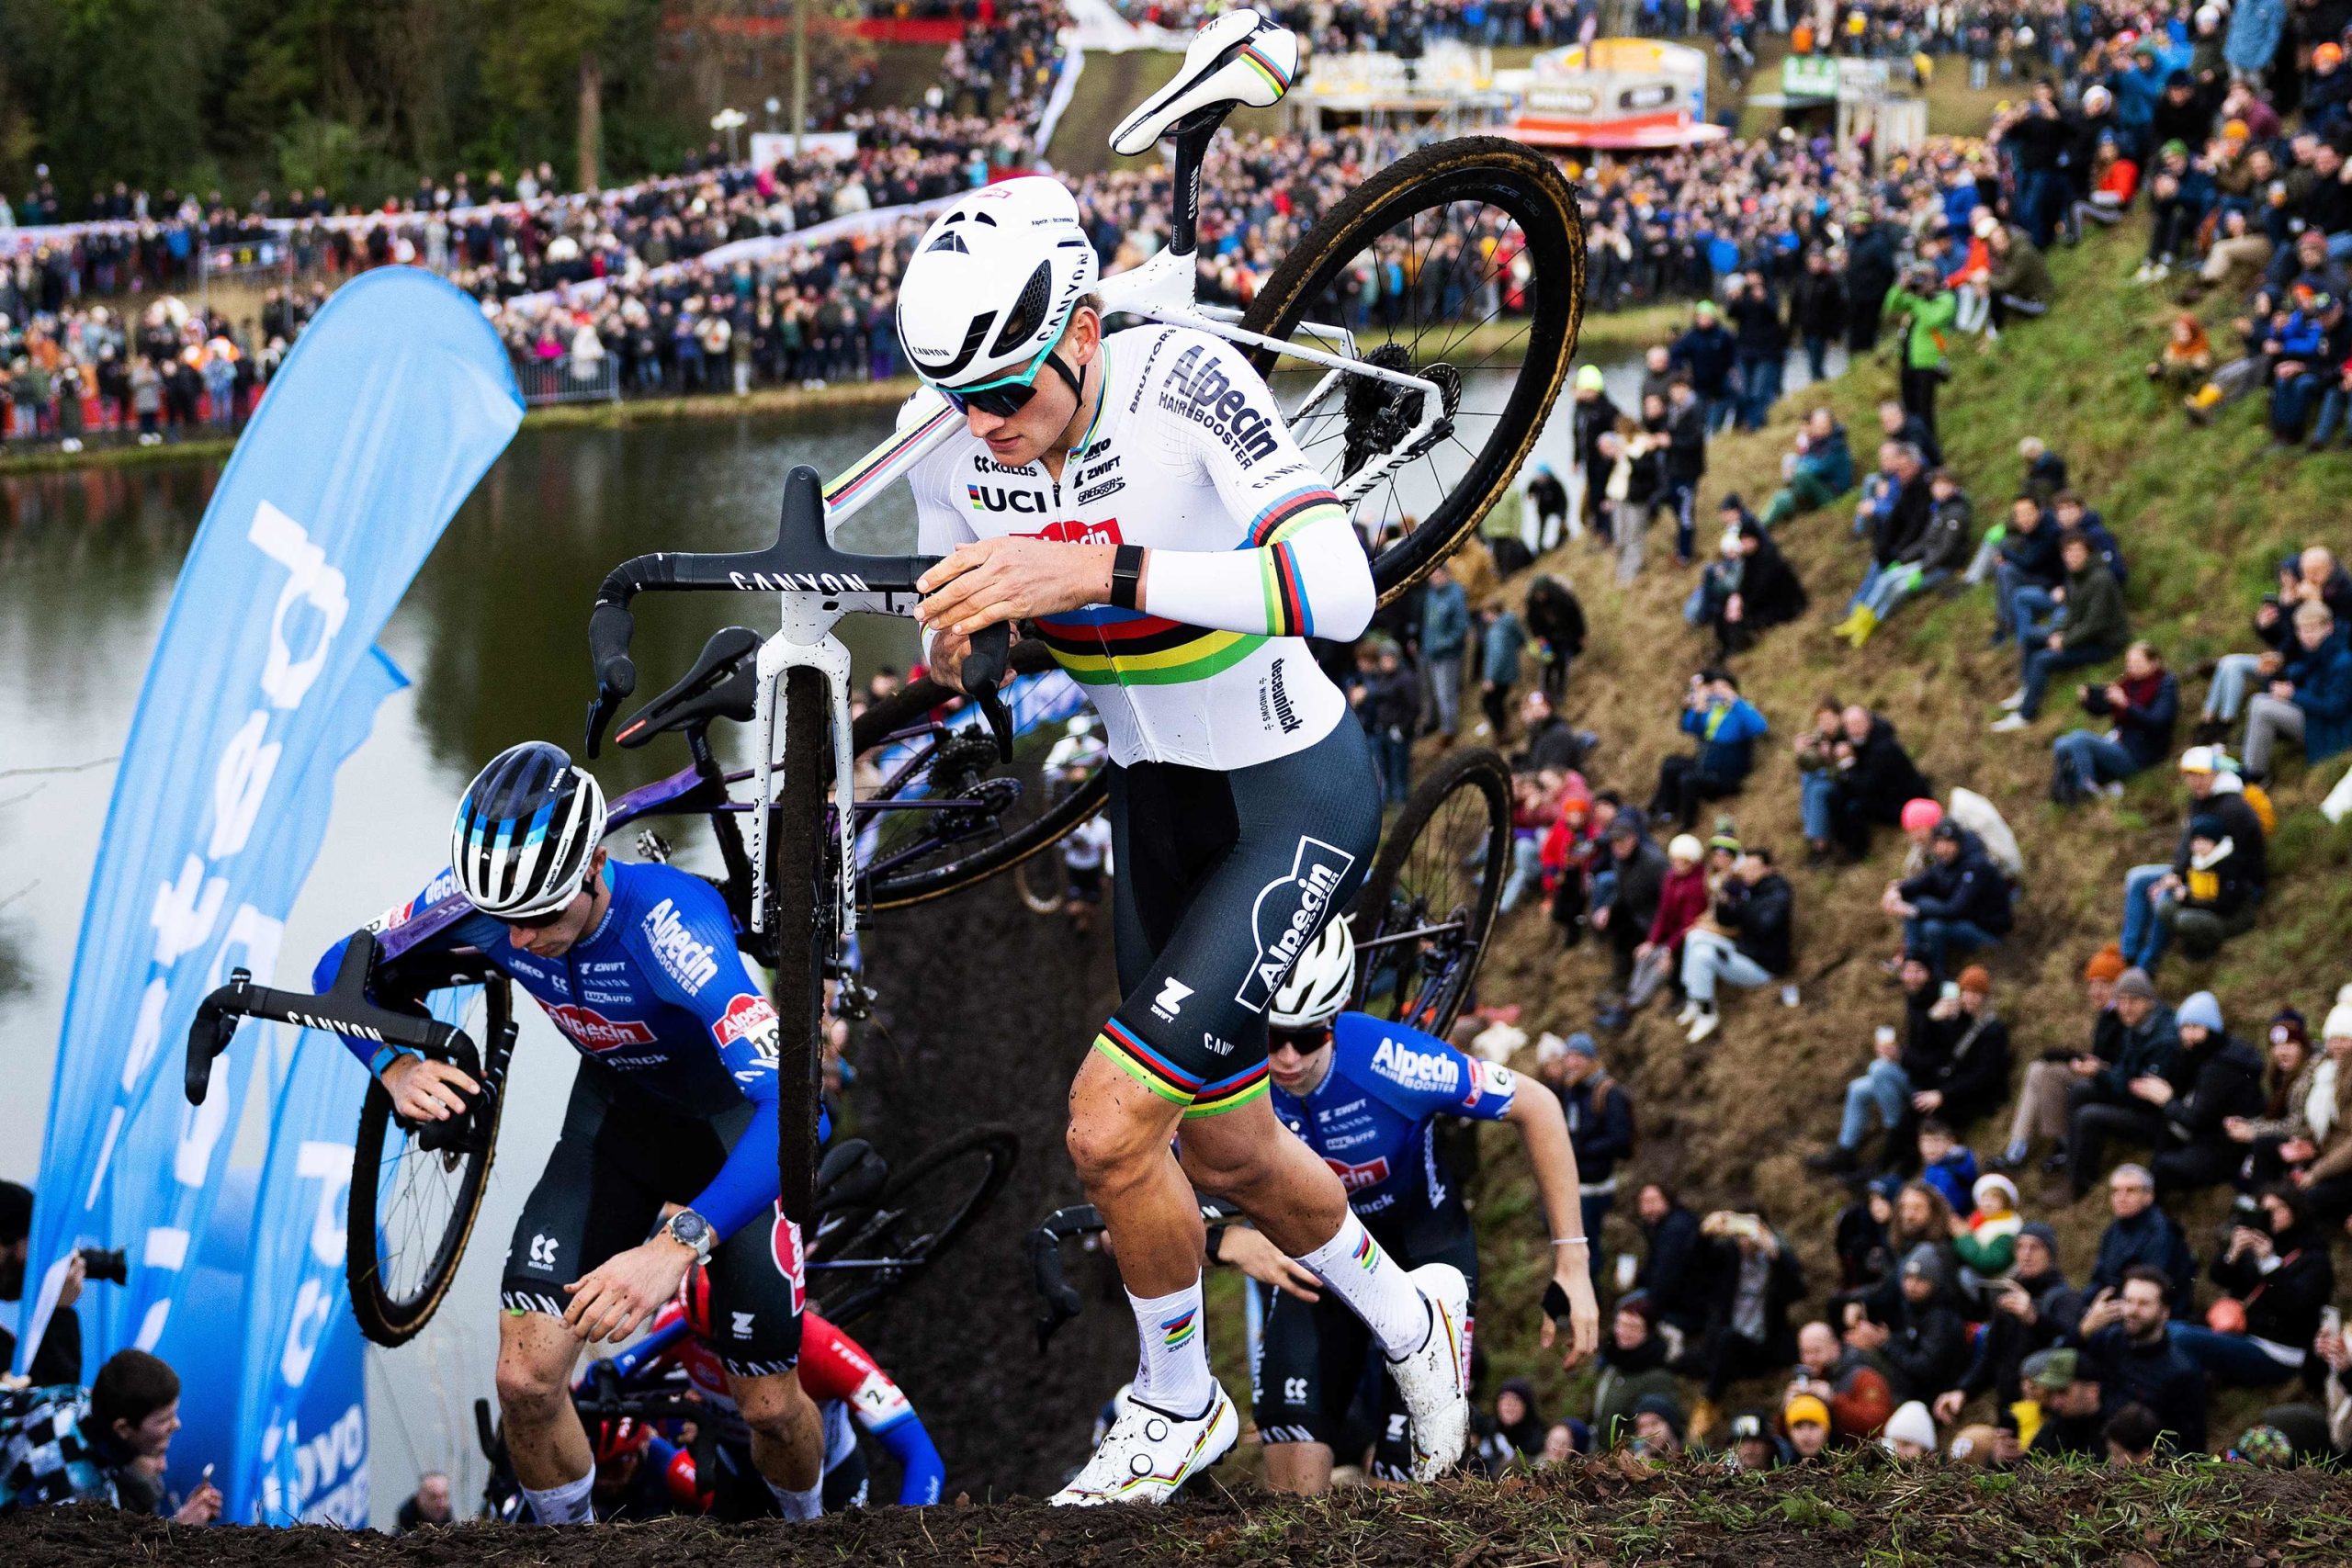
(1928, 307)
(2091, 629)
(1819, 471)
(2020, 281)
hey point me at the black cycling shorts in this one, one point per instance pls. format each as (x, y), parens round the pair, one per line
(1225, 878)
(616, 1163)
(1318, 1377)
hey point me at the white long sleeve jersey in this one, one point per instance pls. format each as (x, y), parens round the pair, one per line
(1251, 554)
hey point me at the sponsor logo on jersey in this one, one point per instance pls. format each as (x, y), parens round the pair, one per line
(591, 1030)
(1273, 702)
(1143, 377)
(1004, 498)
(1432, 1071)
(1170, 1000)
(606, 999)
(1358, 1178)
(689, 961)
(1097, 492)
(1287, 915)
(1077, 531)
(1197, 389)
(612, 969)
(748, 1017)
(1215, 1046)
(990, 465)
(1096, 470)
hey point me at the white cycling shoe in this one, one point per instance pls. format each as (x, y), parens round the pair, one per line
(1435, 1380)
(1148, 1454)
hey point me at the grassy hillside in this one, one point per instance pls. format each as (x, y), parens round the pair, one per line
(2201, 515)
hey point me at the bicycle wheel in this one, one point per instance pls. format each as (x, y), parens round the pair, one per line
(1040, 884)
(1425, 912)
(912, 855)
(415, 1195)
(803, 911)
(1485, 235)
(929, 1203)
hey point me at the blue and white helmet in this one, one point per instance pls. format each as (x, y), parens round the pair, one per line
(525, 831)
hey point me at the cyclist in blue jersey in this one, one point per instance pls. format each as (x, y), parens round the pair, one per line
(667, 1155)
(1365, 1095)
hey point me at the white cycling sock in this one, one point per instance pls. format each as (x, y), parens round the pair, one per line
(564, 1504)
(799, 1505)
(1172, 1374)
(1362, 1274)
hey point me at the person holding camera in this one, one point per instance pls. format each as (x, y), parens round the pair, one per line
(104, 1445)
(59, 1358)
(2276, 1279)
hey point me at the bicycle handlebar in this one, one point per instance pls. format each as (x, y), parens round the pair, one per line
(343, 1009)
(802, 560)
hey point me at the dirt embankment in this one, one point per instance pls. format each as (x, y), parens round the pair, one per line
(1866, 1511)
(987, 1009)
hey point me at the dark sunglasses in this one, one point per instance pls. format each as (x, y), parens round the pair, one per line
(1306, 1042)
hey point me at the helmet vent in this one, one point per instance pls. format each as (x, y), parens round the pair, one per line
(1028, 312)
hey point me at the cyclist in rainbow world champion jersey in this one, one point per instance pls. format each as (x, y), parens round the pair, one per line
(1139, 498)
(673, 1109)
(1365, 1095)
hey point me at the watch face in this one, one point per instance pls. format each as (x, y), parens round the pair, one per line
(689, 1228)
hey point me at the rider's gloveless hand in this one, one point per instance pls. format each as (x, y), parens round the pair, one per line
(1010, 577)
(626, 1288)
(426, 1090)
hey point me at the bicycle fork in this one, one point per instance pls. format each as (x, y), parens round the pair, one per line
(805, 642)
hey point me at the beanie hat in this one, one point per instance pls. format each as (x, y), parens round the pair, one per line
(1580, 1045)
(1589, 379)
(2134, 982)
(2204, 1008)
(2286, 1024)
(1803, 1408)
(1665, 1408)
(1977, 979)
(2339, 1022)
(1920, 815)
(1686, 847)
(1910, 1424)
(2043, 1232)
(2107, 964)
(1994, 1182)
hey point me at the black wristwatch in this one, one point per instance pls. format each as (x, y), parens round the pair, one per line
(1215, 1244)
(690, 1229)
(1126, 576)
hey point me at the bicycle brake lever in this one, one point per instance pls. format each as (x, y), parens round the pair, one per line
(209, 1034)
(984, 667)
(610, 626)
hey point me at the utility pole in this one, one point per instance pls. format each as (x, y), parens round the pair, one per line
(799, 74)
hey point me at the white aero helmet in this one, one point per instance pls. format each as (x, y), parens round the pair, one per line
(1317, 985)
(525, 831)
(990, 287)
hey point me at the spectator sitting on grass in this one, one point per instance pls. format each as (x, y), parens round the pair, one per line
(2313, 575)
(2128, 1098)
(1745, 940)
(2068, 510)
(1600, 1114)
(1896, 514)
(2188, 357)
(2140, 1233)
(2066, 1395)
(1883, 1090)
(1819, 471)
(1633, 1366)
(2045, 471)
(1806, 1421)
(1637, 867)
(2126, 1335)
(2091, 628)
(1958, 903)
(1874, 779)
(1947, 1165)
(1674, 1269)
(1755, 1448)
(2019, 280)
(2290, 1069)
(2041, 1104)
(2275, 1279)
(1757, 1280)
(1899, 425)
(2144, 704)
(1682, 898)
(1919, 1332)
(1727, 726)
(2306, 355)
(1986, 1241)
(1553, 746)
(2214, 790)
(1930, 559)
(2309, 701)
(2031, 1310)
(1766, 592)
(1850, 1383)
(1819, 751)
(1957, 1058)
(2027, 573)
(2214, 1076)
(2217, 897)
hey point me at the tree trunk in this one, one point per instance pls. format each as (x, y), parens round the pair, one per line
(591, 118)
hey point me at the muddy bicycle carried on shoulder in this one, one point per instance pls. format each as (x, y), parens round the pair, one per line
(1416, 340)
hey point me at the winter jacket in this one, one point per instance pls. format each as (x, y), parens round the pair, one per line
(1708, 354)
(1830, 461)
(1445, 622)
(1641, 877)
(1600, 1113)
(1627, 1377)
(2211, 1083)
(2283, 1301)
(2228, 804)
(1971, 888)
(2323, 680)
(1816, 305)
(2093, 615)
(1928, 1347)
(1675, 1271)
(2022, 274)
(1954, 1176)
(1759, 918)
(1554, 617)
(1770, 592)
(1967, 1060)
(1498, 650)
(2147, 1050)
(2155, 1375)
(1903, 522)
(1686, 451)
(1681, 899)
(1931, 318)
(1884, 778)
(1942, 543)
(1727, 733)
(2144, 725)
(2032, 555)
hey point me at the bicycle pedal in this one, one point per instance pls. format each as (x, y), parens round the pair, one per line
(651, 846)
